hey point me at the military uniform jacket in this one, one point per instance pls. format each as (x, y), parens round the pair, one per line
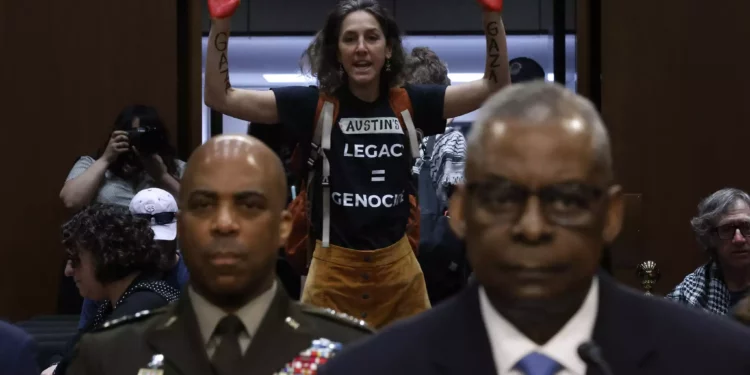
(125, 346)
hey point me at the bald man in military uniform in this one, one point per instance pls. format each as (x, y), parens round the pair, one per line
(234, 317)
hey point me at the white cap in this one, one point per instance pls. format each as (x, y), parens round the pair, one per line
(155, 201)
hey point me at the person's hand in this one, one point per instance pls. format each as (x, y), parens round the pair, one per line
(491, 5)
(118, 144)
(220, 9)
(50, 370)
(154, 165)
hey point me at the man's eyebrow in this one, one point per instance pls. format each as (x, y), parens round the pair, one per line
(202, 193)
(250, 194)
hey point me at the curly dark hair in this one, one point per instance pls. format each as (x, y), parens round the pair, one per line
(424, 67)
(148, 117)
(320, 58)
(119, 242)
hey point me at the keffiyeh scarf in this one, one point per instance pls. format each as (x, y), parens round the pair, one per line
(704, 288)
(447, 161)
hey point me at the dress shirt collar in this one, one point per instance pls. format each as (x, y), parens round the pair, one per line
(209, 315)
(509, 345)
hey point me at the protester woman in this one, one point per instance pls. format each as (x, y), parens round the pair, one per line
(363, 263)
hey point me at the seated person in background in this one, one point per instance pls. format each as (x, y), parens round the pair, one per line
(125, 166)
(539, 205)
(159, 208)
(18, 351)
(113, 258)
(722, 228)
(440, 168)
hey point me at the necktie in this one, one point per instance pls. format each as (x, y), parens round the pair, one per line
(228, 355)
(538, 364)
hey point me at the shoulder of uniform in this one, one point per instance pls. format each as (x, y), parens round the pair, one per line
(337, 317)
(129, 319)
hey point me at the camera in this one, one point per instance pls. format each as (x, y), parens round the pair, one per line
(147, 140)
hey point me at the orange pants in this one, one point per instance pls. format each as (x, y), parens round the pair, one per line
(377, 286)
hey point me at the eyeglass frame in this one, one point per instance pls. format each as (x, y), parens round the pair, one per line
(735, 227)
(585, 215)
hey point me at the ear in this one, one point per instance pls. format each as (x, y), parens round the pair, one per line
(285, 227)
(614, 215)
(388, 52)
(456, 211)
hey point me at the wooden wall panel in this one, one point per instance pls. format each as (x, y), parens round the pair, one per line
(674, 96)
(67, 70)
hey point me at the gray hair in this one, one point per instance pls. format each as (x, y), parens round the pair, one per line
(710, 212)
(535, 103)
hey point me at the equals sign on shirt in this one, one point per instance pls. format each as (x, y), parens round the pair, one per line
(378, 175)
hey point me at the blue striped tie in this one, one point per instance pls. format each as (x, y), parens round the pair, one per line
(538, 364)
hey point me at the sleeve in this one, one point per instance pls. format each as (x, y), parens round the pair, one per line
(427, 102)
(296, 107)
(27, 358)
(83, 163)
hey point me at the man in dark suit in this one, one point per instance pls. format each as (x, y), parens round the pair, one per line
(18, 351)
(538, 207)
(234, 317)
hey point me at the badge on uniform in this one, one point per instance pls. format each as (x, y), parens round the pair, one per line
(155, 367)
(308, 361)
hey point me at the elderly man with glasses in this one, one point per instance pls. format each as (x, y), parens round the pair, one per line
(722, 228)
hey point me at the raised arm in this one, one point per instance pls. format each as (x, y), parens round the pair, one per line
(248, 105)
(464, 98)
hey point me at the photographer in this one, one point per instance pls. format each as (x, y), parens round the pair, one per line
(137, 156)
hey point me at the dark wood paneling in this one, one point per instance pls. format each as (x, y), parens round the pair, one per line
(192, 106)
(67, 70)
(674, 96)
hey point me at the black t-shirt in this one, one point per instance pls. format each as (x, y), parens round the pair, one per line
(370, 160)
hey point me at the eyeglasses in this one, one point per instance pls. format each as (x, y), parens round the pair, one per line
(162, 218)
(727, 231)
(566, 204)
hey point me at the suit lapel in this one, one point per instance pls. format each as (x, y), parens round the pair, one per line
(177, 337)
(463, 347)
(283, 333)
(622, 329)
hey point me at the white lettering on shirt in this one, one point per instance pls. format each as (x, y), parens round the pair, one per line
(366, 200)
(372, 125)
(395, 150)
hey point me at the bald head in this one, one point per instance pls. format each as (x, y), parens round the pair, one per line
(540, 104)
(238, 154)
(232, 219)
